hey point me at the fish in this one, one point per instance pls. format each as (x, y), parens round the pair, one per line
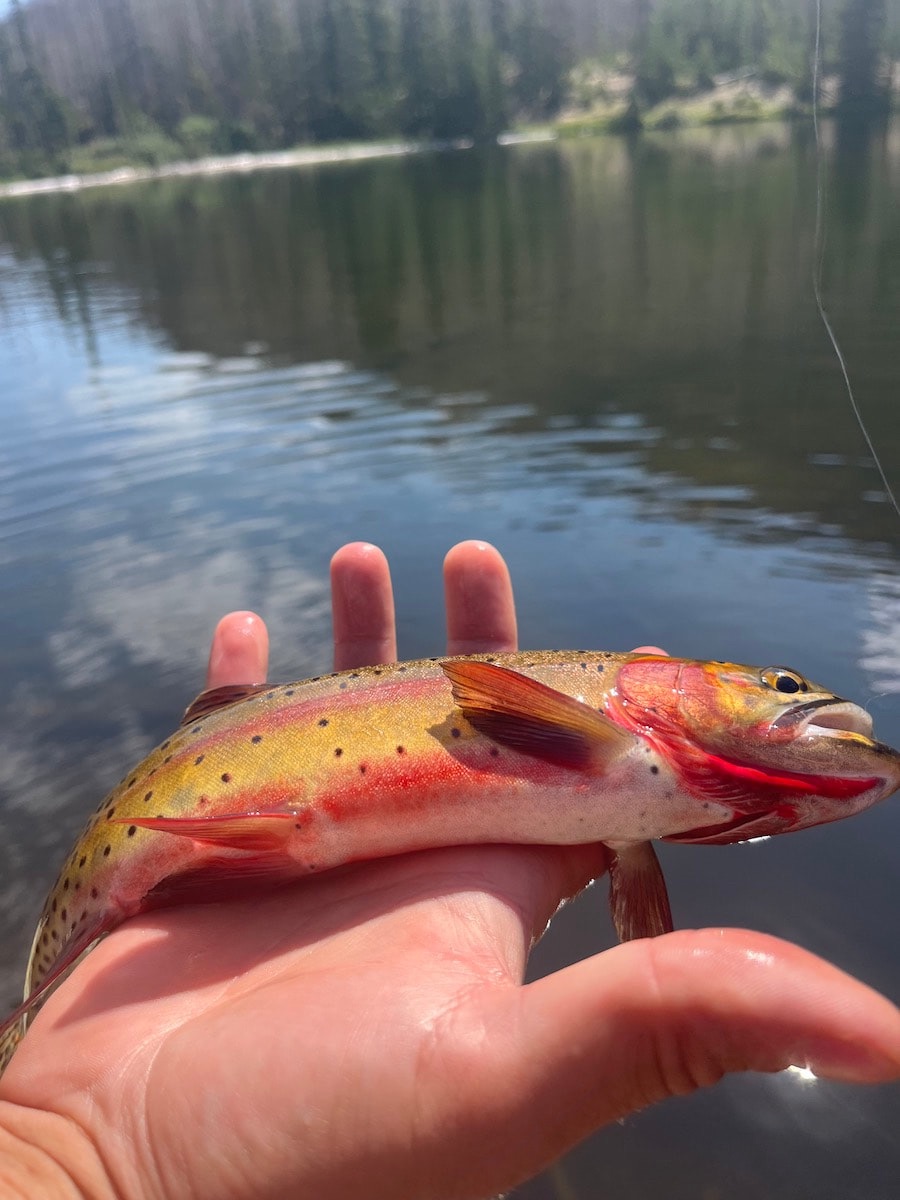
(262, 784)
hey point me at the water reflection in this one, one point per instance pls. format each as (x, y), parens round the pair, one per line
(668, 279)
(604, 357)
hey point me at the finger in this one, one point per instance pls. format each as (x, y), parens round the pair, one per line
(649, 650)
(239, 652)
(481, 615)
(362, 607)
(662, 1017)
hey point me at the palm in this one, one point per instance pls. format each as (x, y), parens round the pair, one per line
(390, 983)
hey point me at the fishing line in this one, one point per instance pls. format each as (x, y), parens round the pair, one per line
(818, 263)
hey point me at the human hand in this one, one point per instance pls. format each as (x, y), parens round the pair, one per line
(367, 1032)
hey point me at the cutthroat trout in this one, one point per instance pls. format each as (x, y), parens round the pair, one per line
(276, 782)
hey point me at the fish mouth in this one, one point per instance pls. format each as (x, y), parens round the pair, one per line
(828, 717)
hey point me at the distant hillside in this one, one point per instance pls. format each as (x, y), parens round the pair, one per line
(87, 84)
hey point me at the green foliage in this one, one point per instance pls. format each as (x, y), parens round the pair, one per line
(148, 144)
(199, 135)
(686, 43)
(193, 77)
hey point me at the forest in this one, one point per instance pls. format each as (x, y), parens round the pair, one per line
(91, 84)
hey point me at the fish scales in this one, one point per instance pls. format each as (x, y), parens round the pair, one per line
(539, 747)
(277, 746)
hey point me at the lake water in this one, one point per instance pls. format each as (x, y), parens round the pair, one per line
(602, 356)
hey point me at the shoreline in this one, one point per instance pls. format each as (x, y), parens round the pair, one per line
(230, 164)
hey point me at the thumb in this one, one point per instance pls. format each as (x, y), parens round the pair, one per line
(662, 1017)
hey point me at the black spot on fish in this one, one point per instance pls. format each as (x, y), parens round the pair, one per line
(454, 732)
(354, 674)
(376, 671)
(149, 796)
(289, 692)
(111, 814)
(94, 893)
(83, 916)
(77, 885)
(338, 752)
(654, 770)
(270, 696)
(197, 729)
(495, 753)
(165, 745)
(64, 914)
(168, 758)
(491, 658)
(600, 668)
(401, 669)
(132, 781)
(343, 684)
(583, 666)
(53, 906)
(54, 935)
(106, 850)
(323, 722)
(401, 749)
(316, 678)
(226, 778)
(362, 768)
(257, 737)
(198, 760)
(132, 830)
(66, 884)
(82, 861)
(432, 660)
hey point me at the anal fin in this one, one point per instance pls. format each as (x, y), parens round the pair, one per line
(638, 900)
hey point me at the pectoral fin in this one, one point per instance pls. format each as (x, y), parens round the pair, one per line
(520, 712)
(638, 899)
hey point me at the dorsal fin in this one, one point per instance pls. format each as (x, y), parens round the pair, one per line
(221, 697)
(533, 718)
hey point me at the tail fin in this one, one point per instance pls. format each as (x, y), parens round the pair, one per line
(12, 1030)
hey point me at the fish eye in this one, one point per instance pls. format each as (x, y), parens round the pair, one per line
(783, 680)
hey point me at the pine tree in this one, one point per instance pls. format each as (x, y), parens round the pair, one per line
(37, 128)
(539, 54)
(380, 37)
(418, 74)
(863, 27)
